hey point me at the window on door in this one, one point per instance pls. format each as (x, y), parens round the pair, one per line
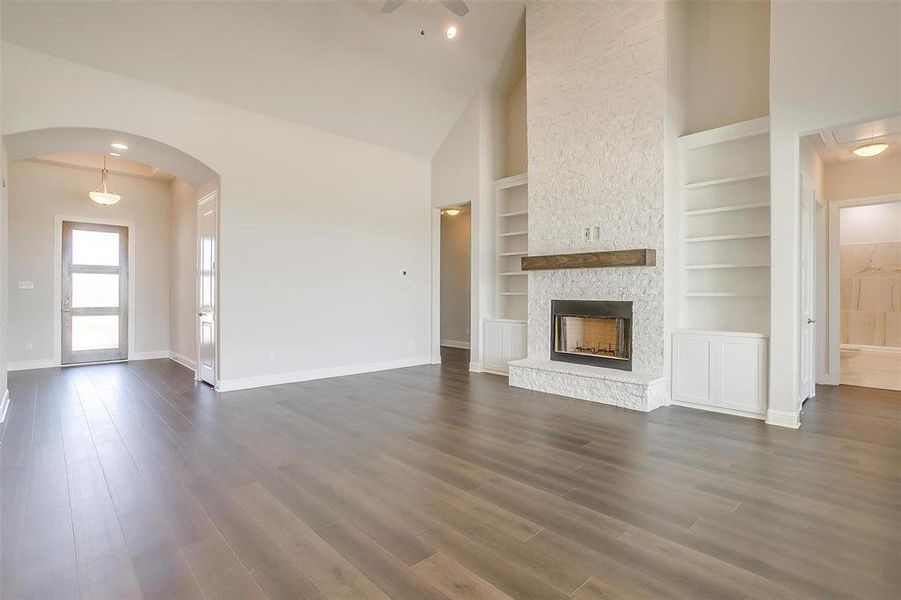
(94, 293)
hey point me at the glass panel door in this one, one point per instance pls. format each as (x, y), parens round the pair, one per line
(95, 293)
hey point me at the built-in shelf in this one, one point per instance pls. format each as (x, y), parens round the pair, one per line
(512, 181)
(725, 266)
(719, 347)
(724, 295)
(730, 236)
(723, 209)
(710, 182)
(511, 224)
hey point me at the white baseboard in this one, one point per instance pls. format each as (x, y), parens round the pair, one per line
(475, 367)
(4, 406)
(183, 360)
(231, 385)
(455, 344)
(783, 418)
(27, 365)
(150, 355)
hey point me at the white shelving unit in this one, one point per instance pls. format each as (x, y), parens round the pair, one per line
(512, 230)
(504, 337)
(725, 228)
(720, 345)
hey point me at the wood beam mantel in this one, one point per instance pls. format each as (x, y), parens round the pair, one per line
(591, 260)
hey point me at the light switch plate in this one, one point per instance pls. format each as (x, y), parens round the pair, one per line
(26, 285)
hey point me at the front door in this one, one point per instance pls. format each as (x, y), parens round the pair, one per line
(95, 293)
(206, 296)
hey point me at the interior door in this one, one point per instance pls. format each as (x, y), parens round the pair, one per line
(94, 293)
(206, 295)
(808, 315)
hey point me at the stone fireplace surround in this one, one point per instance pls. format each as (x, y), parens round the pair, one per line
(596, 102)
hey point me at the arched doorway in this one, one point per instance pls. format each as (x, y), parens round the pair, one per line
(65, 309)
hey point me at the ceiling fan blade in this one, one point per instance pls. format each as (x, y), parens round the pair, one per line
(458, 7)
(392, 5)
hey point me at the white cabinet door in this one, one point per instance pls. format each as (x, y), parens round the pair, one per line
(514, 342)
(741, 374)
(493, 351)
(692, 364)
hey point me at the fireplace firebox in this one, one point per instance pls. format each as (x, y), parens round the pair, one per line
(592, 333)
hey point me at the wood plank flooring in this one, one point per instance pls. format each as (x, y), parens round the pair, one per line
(130, 481)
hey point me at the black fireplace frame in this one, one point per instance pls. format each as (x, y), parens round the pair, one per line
(592, 308)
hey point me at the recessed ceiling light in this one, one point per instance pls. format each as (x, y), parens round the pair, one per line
(452, 212)
(119, 146)
(451, 32)
(871, 149)
(114, 154)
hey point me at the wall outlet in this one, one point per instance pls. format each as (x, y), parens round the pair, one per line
(586, 234)
(29, 346)
(26, 285)
(271, 356)
(597, 232)
(403, 272)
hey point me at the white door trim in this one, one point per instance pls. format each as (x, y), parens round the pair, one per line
(58, 279)
(833, 285)
(212, 196)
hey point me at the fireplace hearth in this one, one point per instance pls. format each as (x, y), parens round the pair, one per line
(592, 332)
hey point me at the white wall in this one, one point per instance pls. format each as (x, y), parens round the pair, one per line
(728, 62)
(455, 278)
(863, 178)
(831, 63)
(515, 138)
(4, 279)
(182, 272)
(871, 224)
(40, 192)
(314, 228)
(455, 166)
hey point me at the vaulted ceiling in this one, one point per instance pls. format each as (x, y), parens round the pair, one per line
(341, 66)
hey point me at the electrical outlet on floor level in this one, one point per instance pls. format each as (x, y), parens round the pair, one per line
(271, 356)
(29, 346)
(597, 232)
(586, 234)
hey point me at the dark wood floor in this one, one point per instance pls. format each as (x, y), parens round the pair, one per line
(129, 480)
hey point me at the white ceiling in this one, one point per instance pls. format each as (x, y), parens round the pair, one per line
(78, 140)
(94, 162)
(341, 66)
(838, 144)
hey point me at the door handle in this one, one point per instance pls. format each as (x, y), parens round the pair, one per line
(811, 321)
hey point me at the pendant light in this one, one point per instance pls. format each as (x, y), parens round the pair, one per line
(102, 195)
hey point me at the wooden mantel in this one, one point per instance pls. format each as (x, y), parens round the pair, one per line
(591, 260)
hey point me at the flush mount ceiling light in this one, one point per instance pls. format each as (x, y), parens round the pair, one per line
(451, 32)
(452, 212)
(114, 154)
(868, 150)
(102, 195)
(119, 146)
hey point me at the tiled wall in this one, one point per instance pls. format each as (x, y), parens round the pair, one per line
(871, 294)
(596, 98)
